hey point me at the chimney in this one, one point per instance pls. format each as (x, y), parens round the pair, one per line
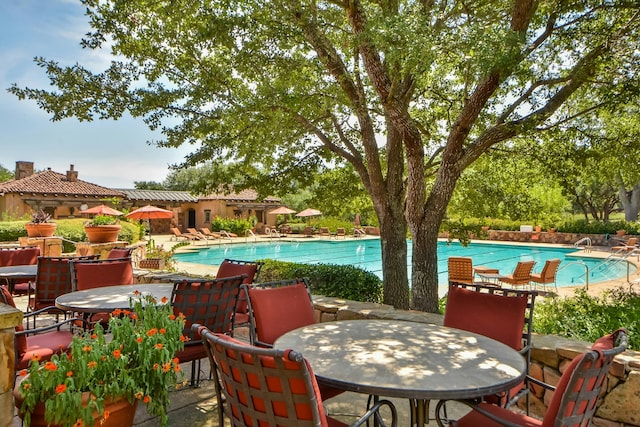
(23, 169)
(72, 175)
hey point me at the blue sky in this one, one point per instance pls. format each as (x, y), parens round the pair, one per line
(105, 152)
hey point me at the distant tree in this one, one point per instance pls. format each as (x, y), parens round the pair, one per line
(410, 93)
(148, 185)
(5, 174)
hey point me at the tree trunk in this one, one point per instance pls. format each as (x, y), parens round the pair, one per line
(630, 202)
(393, 240)
(424, 278)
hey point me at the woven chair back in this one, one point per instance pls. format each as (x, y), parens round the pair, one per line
(460, 270)
(263, 387)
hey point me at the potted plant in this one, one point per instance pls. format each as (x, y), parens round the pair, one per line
(159, 258)
(101, 375)
(40, 225)
(102, 229)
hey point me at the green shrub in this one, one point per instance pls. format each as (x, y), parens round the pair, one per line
(587, 318)
(232, 225)
(596, 227)
(330, 280)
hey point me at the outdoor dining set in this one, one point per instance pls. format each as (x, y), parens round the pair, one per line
(286, 364)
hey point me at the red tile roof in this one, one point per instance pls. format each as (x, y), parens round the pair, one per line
(244, 195)
(51, 182)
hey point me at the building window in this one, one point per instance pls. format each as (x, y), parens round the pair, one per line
(207, 216)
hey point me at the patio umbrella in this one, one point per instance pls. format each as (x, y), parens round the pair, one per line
(309, 212)
(102, 210)
(150, 212)
(282, 210)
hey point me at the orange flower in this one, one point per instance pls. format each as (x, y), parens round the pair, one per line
(23, 373)
(159, 346)
(117, 312)
(139, 395)
(92, 364)
(78, 423)
(151, 332)
(166, 367)
(134, 316)
(183, 338)
(36, 357)
(69, 374)
(50, 366)
(61, 388)
(164, 300)
(26, 386)
(163, 331)
(86, 348)
(176, 360)
(105, 415)
(155, 366)
(146, 399)
(117, 354)
(176, 368)
(172, 317)
(94, 336)
(139, 340)
(136, 293)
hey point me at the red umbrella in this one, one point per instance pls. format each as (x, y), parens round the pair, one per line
(309, 212)
(150, 212)
(102, 210)
(282, 210)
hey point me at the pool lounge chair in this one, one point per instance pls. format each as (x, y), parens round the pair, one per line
(209, 233)
(178, 234)
(547, 275)
(628, 246)
(340, 233)
(521, 274)
(196, 233)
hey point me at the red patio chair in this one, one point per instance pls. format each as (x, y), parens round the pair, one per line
(119, 253)
(209, 303)
(234, 267)
(27, 255)
(52, 280)
(269, 387)
(40, 343)
(89, 274)
(276, 308)
(505, 315)
(574, 399)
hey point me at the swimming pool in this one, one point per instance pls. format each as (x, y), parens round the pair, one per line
(366, 254)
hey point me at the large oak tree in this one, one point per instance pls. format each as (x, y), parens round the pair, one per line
(409, 92)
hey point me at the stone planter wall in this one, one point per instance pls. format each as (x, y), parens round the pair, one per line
(555, 237)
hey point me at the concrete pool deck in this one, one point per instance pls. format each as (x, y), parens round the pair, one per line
(633, 281)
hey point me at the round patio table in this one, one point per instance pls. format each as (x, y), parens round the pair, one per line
(417, 361)
(109, 298)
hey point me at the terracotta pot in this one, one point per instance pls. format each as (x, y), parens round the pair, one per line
(121, 412)
(102, 233)
(43, 229)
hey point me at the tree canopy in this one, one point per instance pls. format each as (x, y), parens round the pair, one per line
(409, 93)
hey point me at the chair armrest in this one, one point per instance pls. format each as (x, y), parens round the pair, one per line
(540, 383)
(474, 406)
(53, 326)
(374, 411)
(42, 310)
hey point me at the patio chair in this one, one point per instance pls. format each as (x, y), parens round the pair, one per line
(207, 302)
(276, 308)
(234, 267)
(521, 274)
(42, 342)
(27, 255)
(324, 232)
(505, 315)
(177, 234)
(194, 232)
(308, 232)
(268, 387)
(89, 274)
(52, 280)
(460, 270)
(574, 398)
(548, 273)
(120, 253)
(340, 232)
(210, 233)
(628, 246)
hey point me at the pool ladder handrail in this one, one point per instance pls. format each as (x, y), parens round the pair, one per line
(226, 235)
(584, 243)
(250, 232)
(586, 274)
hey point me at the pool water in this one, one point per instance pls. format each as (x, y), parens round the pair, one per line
(366, 254)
